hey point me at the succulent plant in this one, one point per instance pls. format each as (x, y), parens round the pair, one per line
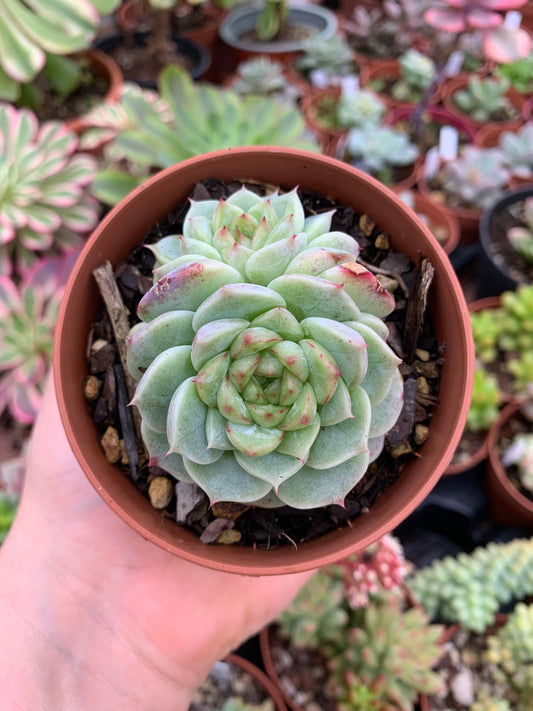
(332, 57)
(516, 332)
(28, 314)
(261, 77)
(31, 32)
(487, 703)
(519, 73)
(360, 109)
(378, 149)
(470, 588)
(486, 401)
(271, 19)
(476, 177)
(8, 511)
(521, 236)
(484, 99)
(317, 617)
(278, 382)
(517, 149)
(486, 331)
(519, 453)
(501, 43)
(391, 653)
(208, 117)
(417, 74)
(44, 204)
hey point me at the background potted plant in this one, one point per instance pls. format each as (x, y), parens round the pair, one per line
(226, 165)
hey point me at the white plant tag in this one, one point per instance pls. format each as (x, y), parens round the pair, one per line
(431, 163)
(349, 85)
(454, 63)
(319, 78)
(448, 143)
(512, 19)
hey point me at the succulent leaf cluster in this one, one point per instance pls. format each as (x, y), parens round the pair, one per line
(32, 31)
(519, 73)
(486, 331)
(201, 117)
(391, 653)
(484, 98)
(486, 401)
(476, 177)
(484, 702)
(264, 373)
(521, 236)
(271, 19)
(261, 76)
(8, 511)
(377, 149)
(470, 588)
(44, 205)
(417, 74)
(517, 149)
(332, 56)
(360, 109)
(516, 333)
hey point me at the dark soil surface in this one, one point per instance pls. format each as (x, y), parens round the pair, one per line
(228, 681)
(267, 528)
(503, 254)
(288, 33)
(143, 62)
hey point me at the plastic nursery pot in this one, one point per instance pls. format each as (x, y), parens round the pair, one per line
(460, 82)
(126, 226)
(102, 65)
(501, 268)
(328, 137)
(239, 22)
(263, 681)
(507, 504)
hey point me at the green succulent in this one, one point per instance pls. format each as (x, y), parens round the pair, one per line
(264, 374)
(517, 149)
(391, 654)
(483, 99)
(521, 236)
(332, 56)
(519, 73)
(487, 703)
(470, 588)
(486, 401)
(476, 177)
(200, 118)
(317, 617)
(516, 328)
(271, 19)
(360, 109)
(8, 511)
(486, 331)
(417, 74)
(378, 149)
(261, 77)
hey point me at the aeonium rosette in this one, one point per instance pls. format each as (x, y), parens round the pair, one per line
(264, 372)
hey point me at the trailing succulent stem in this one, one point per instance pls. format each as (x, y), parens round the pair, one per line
(264, 372)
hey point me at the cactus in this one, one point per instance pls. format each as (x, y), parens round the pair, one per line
(379, 149)
(332, 56)
(317, 617)
(476, 178)
(484, 99)
(486, 401)
(520, 454)
(470, 588)
(417, 74)
(391, 653)
(263, 370)
(521, 237)
(360, 109)
(44, 204)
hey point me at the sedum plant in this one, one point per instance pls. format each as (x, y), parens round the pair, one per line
(379, 149)
(485, 331)
(521, 236)
(484, 99)
(264, 373)
(470, 588)
(475, 178)
(519, 73)
(486, 401)
(417, 75)
(360, 109)
(44, 205)
(31, 33)
(516, 335)
(200, 118)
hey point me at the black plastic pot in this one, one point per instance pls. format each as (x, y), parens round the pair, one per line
(198, 56)
(494, 273)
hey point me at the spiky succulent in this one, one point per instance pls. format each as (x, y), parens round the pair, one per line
(43, 199)
(264, 370)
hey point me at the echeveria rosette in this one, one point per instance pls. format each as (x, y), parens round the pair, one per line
(264, 375)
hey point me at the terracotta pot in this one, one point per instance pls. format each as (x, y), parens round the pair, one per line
(460, 82)
(507, 504)
(104, 66)
(328, 137)
(126, 225)
(268, 687)
(438, 113)
(387, 69)
(468, 218)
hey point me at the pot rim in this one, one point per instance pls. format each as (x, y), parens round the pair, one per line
(77, 312)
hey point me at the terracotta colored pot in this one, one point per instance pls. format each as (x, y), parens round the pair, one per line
(388, 69)
(468, 218)
(266, 684)
(437, 113)
(126, 225)
(104, 66)
(328, 137)
(460, 82)
(507, 504)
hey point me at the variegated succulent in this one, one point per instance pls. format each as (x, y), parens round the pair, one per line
(264, 372)
(43, 200)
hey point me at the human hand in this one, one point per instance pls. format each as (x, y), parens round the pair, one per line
(95, 617)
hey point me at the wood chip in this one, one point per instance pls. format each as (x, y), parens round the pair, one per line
(416, 307)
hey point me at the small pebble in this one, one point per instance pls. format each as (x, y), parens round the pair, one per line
(160, 492)
(421, 433)
(111, 445)
(462, 687)
(422, 354)
(382, 241)
(229, 537)
(422, 385)
(92, 388)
